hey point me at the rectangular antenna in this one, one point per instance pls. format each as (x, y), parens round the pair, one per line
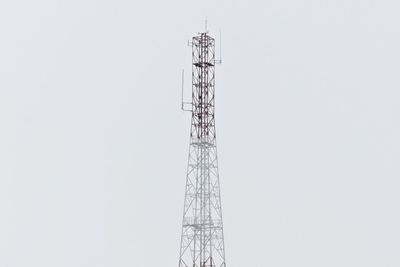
(183, 74)
(183, 86)
(219, 61)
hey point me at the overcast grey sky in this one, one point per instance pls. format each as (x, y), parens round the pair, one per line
(93, 145)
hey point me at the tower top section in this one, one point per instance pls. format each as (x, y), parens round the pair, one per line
(203, 88)
(204, 43)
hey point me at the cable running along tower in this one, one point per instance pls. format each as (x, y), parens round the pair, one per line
(202, 240)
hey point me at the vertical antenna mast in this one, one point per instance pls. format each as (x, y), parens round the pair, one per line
(220, 47)
(183, 75)
(202, 240)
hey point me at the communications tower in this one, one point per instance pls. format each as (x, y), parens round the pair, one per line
(202, 240)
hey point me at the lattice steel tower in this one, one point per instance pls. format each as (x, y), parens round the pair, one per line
(202, 243)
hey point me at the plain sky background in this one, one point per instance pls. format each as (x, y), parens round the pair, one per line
(93, 144)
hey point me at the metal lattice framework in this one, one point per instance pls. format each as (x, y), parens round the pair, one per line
(202, 243)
